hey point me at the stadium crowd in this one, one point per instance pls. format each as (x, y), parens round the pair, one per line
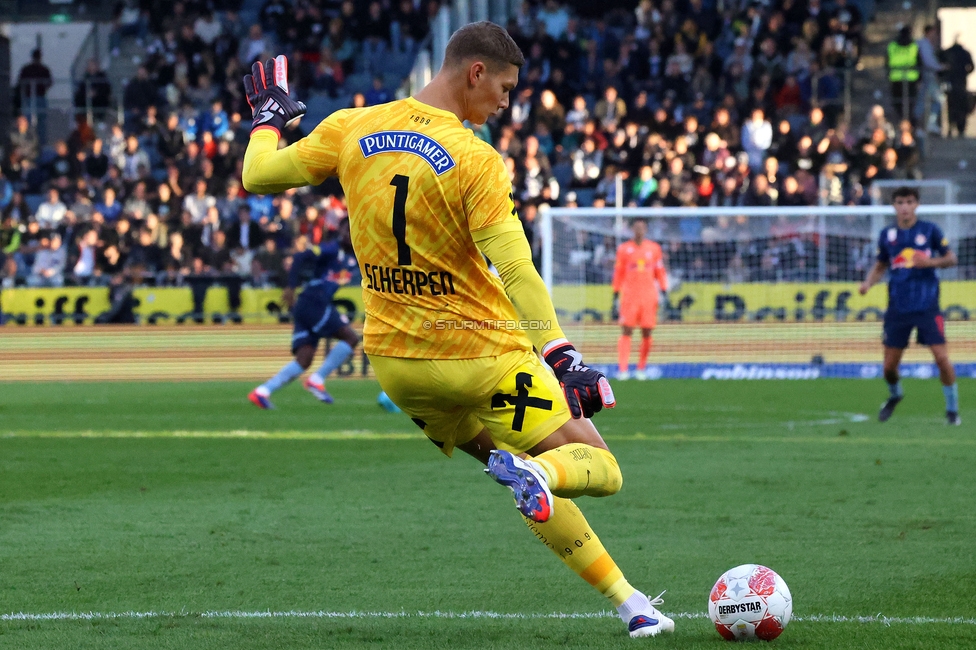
(689, 105)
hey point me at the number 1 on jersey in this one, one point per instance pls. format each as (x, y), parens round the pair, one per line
(400, 182)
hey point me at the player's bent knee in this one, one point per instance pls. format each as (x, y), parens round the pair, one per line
(304, 356)
(614, 479)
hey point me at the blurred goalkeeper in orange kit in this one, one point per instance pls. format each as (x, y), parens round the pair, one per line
(428, 201)
(638, 276)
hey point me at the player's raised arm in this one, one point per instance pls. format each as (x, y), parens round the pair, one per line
(267, 169)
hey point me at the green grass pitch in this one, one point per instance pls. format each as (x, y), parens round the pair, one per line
(170, 515)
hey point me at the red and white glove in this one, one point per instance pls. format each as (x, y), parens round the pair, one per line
(267, 94)
(587, 391)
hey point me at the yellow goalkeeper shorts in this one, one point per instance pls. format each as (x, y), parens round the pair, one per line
(514, 395)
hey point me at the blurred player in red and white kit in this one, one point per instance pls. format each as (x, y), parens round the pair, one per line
(638, 276)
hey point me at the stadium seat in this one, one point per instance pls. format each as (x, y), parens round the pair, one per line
(33, 201)
(359, 82)
(392, 80)
(585, 196)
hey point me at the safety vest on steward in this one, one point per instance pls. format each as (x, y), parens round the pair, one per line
(902, 62)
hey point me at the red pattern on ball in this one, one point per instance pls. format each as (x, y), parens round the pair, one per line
(768, 629)
(763, 581)
(725, 632)
(718, 591)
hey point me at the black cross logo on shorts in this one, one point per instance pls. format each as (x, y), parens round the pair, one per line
(521, 401)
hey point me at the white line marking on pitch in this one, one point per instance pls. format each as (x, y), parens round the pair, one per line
(92, 616)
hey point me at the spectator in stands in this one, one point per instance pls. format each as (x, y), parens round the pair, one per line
(18, 209)
(110, 264)
(199, 202)
(245, 233)
(230, 203)
(51, 212)
(94, 91)
(757, 138)
(62, 168)
(10, 234)
(408, 29)
(137, 205)
(378, 94)
(903, 71)
(109, 207)
(610, 110)
(207, 28)
(341, 44)
(959, 65)
(140, 93)
(169, 138)
(374, 36)
(128, 20)
(83, 271)
(24, 138)
(49, 262)
(33, 83)
(133, 160)
(271, 264)
(145, 259)
(254, 46)
(96, 162)
(165, 205)
(214, 252)
(929, 104)
(907, 151)
(579, 114)
(115, 144)
(177, 255)
(587, 164)
(723, 126)
(555, 18)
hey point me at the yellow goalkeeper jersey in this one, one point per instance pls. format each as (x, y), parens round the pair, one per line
(418, 183)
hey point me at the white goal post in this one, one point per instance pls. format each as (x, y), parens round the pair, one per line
(774, 286)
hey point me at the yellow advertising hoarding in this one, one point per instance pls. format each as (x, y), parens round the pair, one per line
(691, 302)
(168, 305)
(779, 302)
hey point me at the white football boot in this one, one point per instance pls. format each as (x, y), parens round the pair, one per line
(642, 616)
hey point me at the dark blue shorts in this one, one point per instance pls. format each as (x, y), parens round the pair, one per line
(898, 329)
(313, 321)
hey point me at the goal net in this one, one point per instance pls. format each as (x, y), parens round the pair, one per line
(754, 292)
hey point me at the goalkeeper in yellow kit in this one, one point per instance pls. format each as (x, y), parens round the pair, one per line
(451, 343)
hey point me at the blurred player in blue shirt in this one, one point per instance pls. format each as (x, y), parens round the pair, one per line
(315, 317)
(910, 251)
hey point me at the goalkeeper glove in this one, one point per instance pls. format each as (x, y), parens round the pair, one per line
(267, 94)
(587, 391)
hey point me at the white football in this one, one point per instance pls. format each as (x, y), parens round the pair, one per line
(750, 602)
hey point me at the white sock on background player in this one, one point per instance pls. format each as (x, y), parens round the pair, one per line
(286, 375)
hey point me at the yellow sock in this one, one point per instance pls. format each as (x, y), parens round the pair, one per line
(570, 537)
(576, 470)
